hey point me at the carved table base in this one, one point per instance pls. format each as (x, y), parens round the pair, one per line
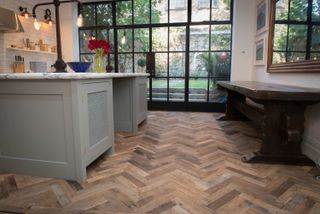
(282, 126)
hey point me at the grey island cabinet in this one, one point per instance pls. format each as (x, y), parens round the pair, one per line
(55, 125)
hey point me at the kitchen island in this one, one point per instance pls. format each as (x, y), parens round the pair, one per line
(56, 124)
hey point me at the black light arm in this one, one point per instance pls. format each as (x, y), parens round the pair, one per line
(54, 2)
(37, 5)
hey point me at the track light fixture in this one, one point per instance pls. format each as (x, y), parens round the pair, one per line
(24, 12)
(48, 18)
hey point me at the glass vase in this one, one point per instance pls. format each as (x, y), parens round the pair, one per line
(99, 61)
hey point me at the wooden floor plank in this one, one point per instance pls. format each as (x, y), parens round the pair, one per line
(177, 162)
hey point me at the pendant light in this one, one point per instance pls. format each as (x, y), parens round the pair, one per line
(123, 38)
(36, 24)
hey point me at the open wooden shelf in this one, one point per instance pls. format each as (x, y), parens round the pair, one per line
(31, 51)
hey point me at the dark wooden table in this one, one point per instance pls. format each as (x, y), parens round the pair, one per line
(279, 110)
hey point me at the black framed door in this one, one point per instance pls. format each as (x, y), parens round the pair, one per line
(190, 41)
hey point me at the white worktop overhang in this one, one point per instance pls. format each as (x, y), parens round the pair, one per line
(67, 76)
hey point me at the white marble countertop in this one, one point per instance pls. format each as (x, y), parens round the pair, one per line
(67, 76)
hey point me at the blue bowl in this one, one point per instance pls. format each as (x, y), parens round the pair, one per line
(79, 67)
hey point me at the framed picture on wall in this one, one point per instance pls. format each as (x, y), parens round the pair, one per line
(260, 52)
(262, 16)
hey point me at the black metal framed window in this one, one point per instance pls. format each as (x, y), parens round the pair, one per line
(296, 31)
(192, 46)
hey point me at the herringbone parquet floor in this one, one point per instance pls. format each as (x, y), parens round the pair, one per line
(176, 163)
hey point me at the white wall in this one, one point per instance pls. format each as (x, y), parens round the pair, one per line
(311, 144)
(47, 34)
(243, 40)
(69, 30)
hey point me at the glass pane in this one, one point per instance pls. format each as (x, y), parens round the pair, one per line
(161, 64)
(280, 37)
(279, 57)
(220, 65)
(159, 11)
(316, 11)
(216, 95)
(295, 57)
(298, 10)
(198, 90)
(315, 46)
(140, 63)
(315, 56)
(159, 89)
(220, 37)
(201, 10)
(141, 40)
(141, 12)
(103, 34)
(176, 90)
(124, 45)
(89, 17)
(85, 36)
(177, 64)
(199, 38)
(177, 39)
(178, 11)
(199, 64)
(282, 10)
(160, 39)
(220, 10)
(86, 57)
(104, 14)
(125, 63)
(297, 37)
(124, 13)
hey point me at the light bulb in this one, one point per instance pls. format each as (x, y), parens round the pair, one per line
(50, 23)
(26, 15)
(123, 39)
(36, 24)
(80, 21)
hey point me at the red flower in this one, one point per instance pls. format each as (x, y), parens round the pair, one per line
(94, 44)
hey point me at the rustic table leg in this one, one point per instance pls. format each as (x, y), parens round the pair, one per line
(231, 112)
(282, 130)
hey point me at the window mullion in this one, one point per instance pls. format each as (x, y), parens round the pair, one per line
(288, 28)
(309, 35)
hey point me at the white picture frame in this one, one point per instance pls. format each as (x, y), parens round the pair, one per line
(262, 17)
(260, 47)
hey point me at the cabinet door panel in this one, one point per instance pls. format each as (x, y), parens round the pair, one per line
(97, 119)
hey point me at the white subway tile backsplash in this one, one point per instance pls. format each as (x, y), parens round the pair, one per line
(46, 33)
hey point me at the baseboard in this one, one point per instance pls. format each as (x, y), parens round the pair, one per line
(311, 148)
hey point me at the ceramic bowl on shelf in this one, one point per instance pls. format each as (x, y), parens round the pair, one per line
(79, 67)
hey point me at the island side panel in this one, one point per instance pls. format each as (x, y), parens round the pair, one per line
(123, 105)
(130, 103)
(36, 128)
(141, 98)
